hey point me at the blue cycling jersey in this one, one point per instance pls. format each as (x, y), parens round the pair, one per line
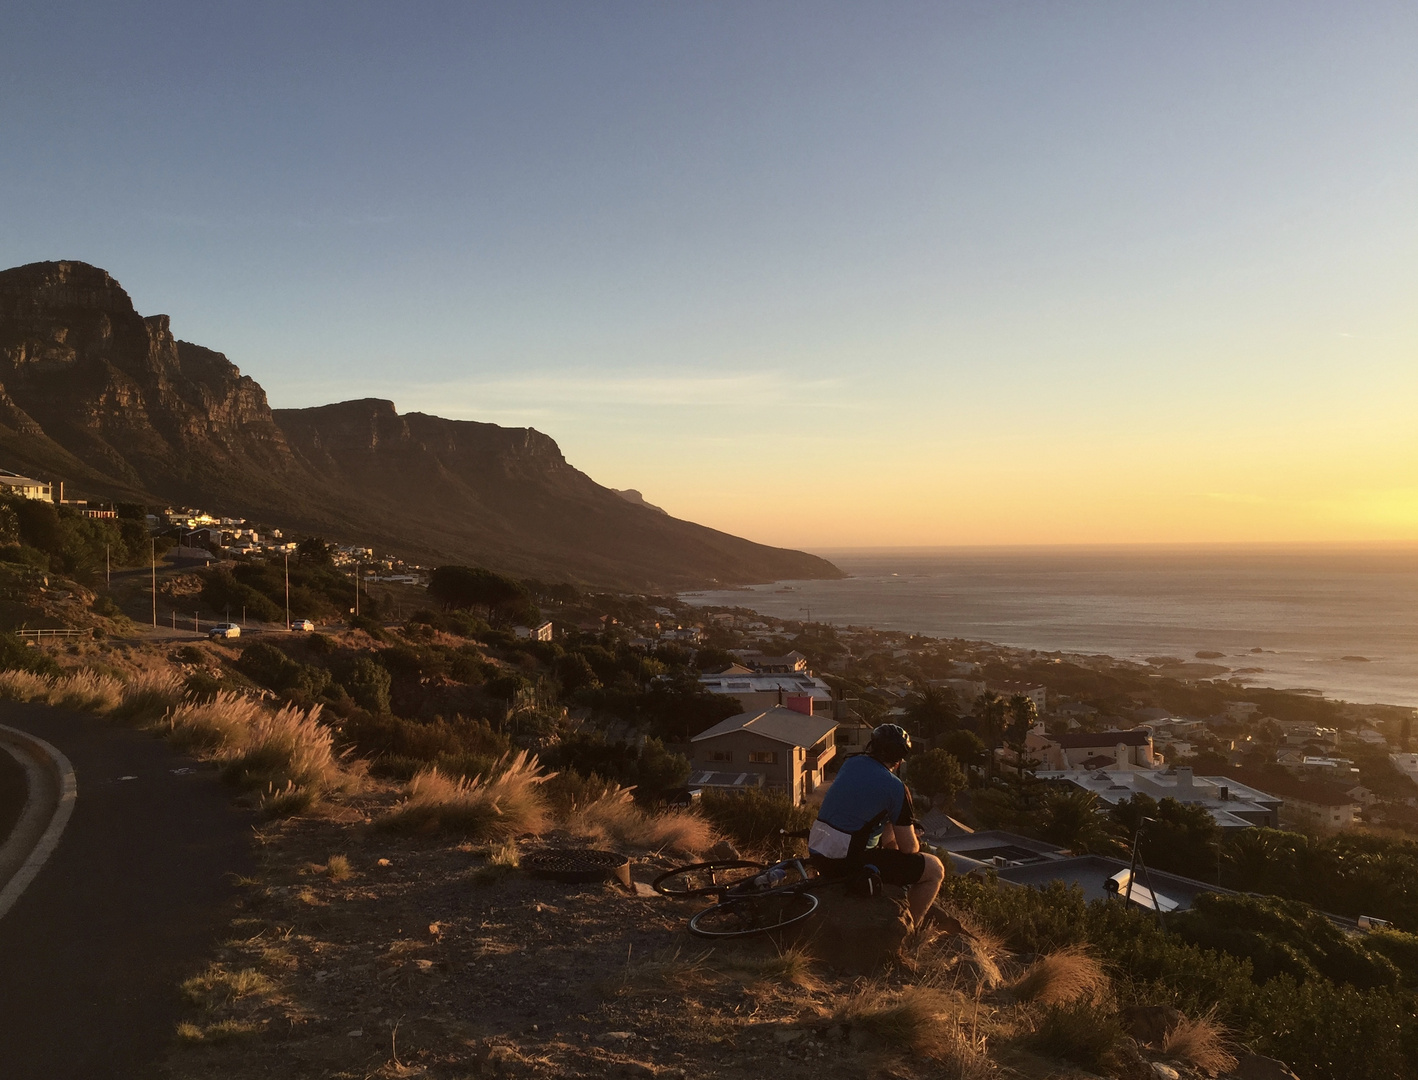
(866, 792)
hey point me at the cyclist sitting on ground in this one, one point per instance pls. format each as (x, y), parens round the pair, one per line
(866, 818)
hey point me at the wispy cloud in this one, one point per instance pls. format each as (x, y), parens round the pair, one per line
(551, 394)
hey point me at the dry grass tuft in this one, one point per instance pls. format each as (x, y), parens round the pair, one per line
(1061, 978)
(502, 859)
(288, 747)
(149, 696)
(287, 801)
(1201, 1042)
(218, 986)
(671, 968)
(788, 967)
(338, 868)
(87, 690)
(24, 686)
(914, 1019)
(971, 959)
(212, 725)
(614, 816)
(496, 807)
(221, 1031)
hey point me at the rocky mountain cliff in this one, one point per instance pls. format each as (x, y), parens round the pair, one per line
(96, 395)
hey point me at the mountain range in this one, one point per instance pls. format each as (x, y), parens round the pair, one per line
(112, 404)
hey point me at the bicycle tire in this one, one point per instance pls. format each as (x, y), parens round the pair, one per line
(747, 916)
(706, 878)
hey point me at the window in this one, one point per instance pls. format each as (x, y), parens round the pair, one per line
(723, 755)
(763, 757)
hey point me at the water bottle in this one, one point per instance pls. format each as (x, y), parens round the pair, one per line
(771, 878)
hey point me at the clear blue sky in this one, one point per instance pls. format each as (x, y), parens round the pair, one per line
(822, 274)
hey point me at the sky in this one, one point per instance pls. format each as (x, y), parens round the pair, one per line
(821, 274)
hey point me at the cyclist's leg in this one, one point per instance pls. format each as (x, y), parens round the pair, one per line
(922, 894)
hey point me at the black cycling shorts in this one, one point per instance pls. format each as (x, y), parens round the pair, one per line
(896, 867)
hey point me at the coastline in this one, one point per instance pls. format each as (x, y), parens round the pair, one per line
(1330, 622)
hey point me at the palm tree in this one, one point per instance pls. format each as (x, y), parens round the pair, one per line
(1075, 819)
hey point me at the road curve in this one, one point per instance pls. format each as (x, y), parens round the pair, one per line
(127, 906)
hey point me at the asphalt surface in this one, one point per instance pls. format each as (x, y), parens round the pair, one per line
(129, 905)
(12, 793)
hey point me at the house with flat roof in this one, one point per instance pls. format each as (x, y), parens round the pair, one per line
(1019, 860)
(759, 691)
(779, 749)
(1232, 803)
(1316, 803)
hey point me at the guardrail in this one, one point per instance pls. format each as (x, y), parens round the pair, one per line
(37, 634)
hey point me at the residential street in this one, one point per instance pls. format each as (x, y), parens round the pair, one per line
(92, 955)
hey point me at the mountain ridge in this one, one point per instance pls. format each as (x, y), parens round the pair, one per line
(110, 401)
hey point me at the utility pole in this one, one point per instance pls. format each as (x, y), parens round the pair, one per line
(155, 583)
(287, 592)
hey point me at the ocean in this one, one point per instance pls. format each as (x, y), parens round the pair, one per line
(1342, 621)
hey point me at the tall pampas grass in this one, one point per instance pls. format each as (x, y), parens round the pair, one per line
(505, 803)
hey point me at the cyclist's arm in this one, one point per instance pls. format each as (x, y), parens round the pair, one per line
(903, 829)
(903, 837)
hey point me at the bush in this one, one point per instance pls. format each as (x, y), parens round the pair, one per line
(1085, 1034)
(369, 684)
(439, 741)
(614, 816)
(17, 654)
(753, 820)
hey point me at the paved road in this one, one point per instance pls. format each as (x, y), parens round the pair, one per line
(128, 906)
(12, 793)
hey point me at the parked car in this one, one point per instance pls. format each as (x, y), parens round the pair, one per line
(224, 630)
(302, 624)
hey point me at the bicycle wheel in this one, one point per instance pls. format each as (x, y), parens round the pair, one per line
(706, 878)
(744, 916)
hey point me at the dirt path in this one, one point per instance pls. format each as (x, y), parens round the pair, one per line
(127, 907)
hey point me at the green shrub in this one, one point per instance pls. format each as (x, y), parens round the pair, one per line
(754, 820)
(369, 683)
(17, 654)
(1083, 1033)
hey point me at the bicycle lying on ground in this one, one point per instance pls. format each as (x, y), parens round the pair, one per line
(754, 898)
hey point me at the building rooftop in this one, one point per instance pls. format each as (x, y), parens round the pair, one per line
(1082, 740)
(778, 723)
(788, 683)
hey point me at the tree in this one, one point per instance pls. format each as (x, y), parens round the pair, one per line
(937, 775)
(990, 712)
(466, 587)
(931, 712)
(1022, 715)
(1075, 819)
(964, 746)
(314, 551)
(659, 771)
